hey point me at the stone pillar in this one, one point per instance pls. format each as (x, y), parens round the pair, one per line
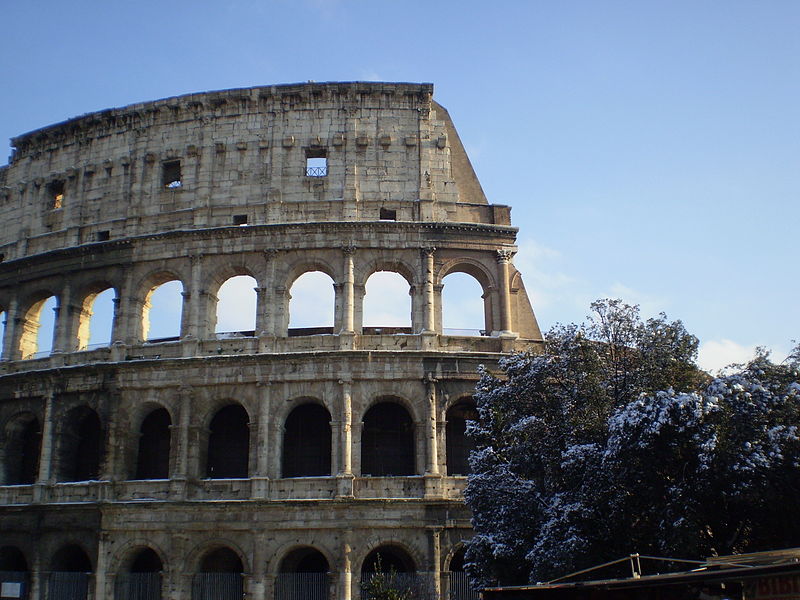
(348, 304)
(347, 428)
(346, 582)
(10, 333)
(260, 478)
(503, 260)
(125, 329)
(429, 306)
(432, 468)
(181, 469)
(114, 442)
(436, 561)
(48, 441)
(192, 318)
(104, 551)
(67, 322)
(265, 311)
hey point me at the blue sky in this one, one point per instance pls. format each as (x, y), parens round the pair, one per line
(650, 150)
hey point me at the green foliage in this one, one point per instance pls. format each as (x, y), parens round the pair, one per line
(384, 586)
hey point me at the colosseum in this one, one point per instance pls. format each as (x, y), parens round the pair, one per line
(273, 461)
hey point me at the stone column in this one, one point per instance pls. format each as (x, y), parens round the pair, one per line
(503, 260)
(104, 550)
(10, 334)
(348, 304)
(114, 442)
(347, 428)
(66, 322)
(432, 467)
(180, 471)
(429, 306)
(265, 311)
(125, 330)
(436, 560)
(263, 449)
(192, 317)
(346, 582)
(48, 441)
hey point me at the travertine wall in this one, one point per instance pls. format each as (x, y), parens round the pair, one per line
(88, 208)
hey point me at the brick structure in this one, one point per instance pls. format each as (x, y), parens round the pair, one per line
(275, 462)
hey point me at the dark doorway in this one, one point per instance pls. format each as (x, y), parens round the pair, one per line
(228, 443)
(387, 441)
(458, 444)
(81, 445)
(220, 576)
(154, 446)
(22, 451)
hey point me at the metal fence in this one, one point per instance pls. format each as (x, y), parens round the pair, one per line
(459, 587)
(138, 586)
(302, 586)
(63, 585)
(217, 586)
(14, 584)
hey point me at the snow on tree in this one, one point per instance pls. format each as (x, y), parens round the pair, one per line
(612, 441)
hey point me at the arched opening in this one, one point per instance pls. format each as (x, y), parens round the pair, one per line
(96, 320)
(457, 581)
(307, 442)
(3, 319)
(463, 305)
(142, 581)
(14, 579)
(311, 304)
(390, 567)
(162, 312)
(220, 577)
(38, 329)
(23, 443)
(81, 451)
(236, 307)
(458, 444)
(154, 446)
(228, 443)
(69, 574)
(387, 304)
(387, 441)
(303, 575)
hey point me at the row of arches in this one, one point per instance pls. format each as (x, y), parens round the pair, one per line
(388, 443)
(387, 305)
(303, 573)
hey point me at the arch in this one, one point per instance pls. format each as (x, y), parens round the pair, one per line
(142, 578)
(464, 304)
(228, 443)
(390, 556)
(70, 568)
(81, 445)
(39, 327)
(236, 306)
(470, 266)
(162, 310)
(96, 317)
(153, 455)
(307, 442)
(458, 583)
(12, 559)
(457, 445)
(387, 302)
(312, 300)
(303, 575)
(387, 441)
(220, 576)
(21, 453)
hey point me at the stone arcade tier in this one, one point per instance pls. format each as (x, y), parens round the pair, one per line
(278, 462)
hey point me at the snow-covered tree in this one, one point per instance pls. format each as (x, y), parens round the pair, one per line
(612, 441)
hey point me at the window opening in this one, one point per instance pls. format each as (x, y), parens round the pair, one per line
(228, 444)
(316, 162)
(311, 304)
(39, 329)
(162, 314)
(307, 442)
(154, 446)
(387, 441)
(81, 446)
(240, 220)
(171, 174)
(388, 215)
(96, 320)
(236, 307)
(55, 193)
(463, 305)
(458, 444)
(22, 451)
(387, 304)
(103, 236)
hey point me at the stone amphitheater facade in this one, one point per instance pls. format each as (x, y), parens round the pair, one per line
(275, 463)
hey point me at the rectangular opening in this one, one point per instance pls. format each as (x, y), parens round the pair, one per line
(388, 215)
(171, 174)
(240, 219)
(103, 236)
(316, 162)
(55, 193)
